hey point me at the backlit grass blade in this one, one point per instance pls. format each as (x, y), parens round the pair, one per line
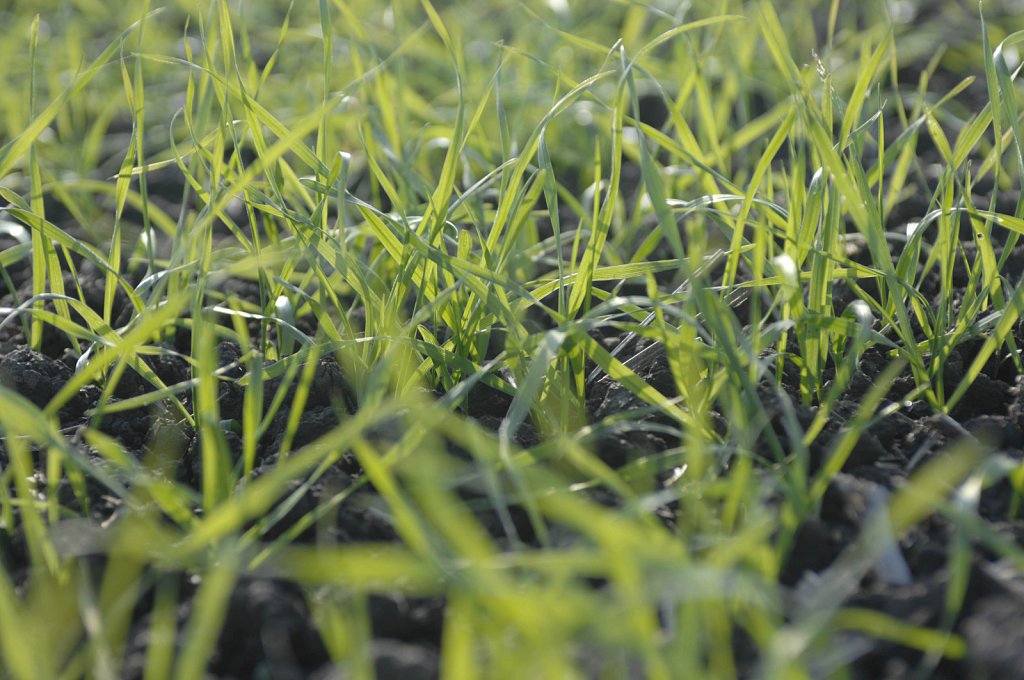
(579, 296)
(877, 624)
(653, 182)
(163, 630)
(871, 67)
(760, 170)
(16, 642)
(201, 632)
(15, 149)
(19, 209)
(497, 232)
(365, 568)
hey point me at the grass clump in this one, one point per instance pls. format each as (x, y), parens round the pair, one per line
(619, 339)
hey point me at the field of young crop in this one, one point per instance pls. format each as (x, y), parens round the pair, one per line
(511, 339)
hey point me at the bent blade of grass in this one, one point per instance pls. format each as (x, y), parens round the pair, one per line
(676, 31)
(70, 328)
